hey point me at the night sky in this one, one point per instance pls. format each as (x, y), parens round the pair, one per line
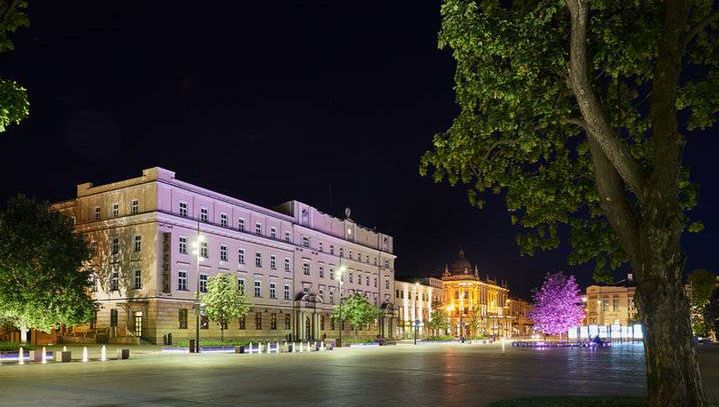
(272, 101)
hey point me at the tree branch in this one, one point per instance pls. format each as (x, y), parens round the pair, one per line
(699, 26)
(597, 125)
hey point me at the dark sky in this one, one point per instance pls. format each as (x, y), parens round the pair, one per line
(270, 101)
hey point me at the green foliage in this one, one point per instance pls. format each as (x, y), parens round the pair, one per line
(441, 338)
(476, 325)
(223, 301)
(184, 343)
(14, 105)
(15, 346)
(702, 285)
(438, 320)
(517, 133)
(711, 312)
(42, 284)
(356, 310)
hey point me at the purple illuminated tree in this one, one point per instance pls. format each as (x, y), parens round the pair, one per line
(557, 305)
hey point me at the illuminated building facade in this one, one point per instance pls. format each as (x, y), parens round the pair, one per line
(610, 305)
(476, 307)
(284, 259)
(414, 303)
(522, 325)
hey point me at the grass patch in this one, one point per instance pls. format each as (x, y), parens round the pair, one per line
(184, 343)
(439, 338)
(572, 401)
(14, 346)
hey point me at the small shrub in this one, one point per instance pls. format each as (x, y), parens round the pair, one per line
(14, 346)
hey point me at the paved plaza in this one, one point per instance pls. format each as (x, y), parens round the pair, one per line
(425, 375)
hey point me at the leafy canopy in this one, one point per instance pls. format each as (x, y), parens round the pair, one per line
(517, 133)
(357, 310)
(557, 305)
(14, 104)
(42, 283)
(438, 320)
(223, 300)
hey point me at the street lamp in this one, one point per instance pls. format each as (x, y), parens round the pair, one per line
(416, 318)
(338, 277)
(196, 250)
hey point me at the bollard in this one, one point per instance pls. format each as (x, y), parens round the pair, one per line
(268, 347)
(64, 348)
(103, 354)
(65, 357)
(44, 356)
(84, 355)
(123, 354)
(21, 357)
(294, 348)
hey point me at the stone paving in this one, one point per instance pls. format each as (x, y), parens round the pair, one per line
(403, 375)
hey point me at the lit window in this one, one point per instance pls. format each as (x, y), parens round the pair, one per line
(241, 256)
(182, 280)
(223, 220)
(134, 206)
(273, 262)
(183, 209)
(115, 210)
(287, 292)
(258, 289)
(203, 283)
(241, 224)
(258, 259)
(204, 215)
(273, 291)
(273, 233)
(287, 264)
(306, 268)
(137, 243)
(138, 279)
(183, 245)
(223, 253)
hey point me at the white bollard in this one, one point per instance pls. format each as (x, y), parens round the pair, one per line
(103, 354)
(294, 348)
(21, 357)
(64, 348)
(84, 355)
(268, 347)
(44, 356)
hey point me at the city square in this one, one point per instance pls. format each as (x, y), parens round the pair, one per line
(428, 374)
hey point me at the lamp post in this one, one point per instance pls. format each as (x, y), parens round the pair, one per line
(196, 250)
(338, 277)
(416, 317)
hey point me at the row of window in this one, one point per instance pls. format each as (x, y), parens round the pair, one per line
(241, 322)
(136, 283)
(400, 294)
(133, 208)
(115, 245)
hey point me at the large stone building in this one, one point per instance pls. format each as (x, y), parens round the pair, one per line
(143, 230)
(476, 307)
(610, 305)
(522, 324)
(414, 303)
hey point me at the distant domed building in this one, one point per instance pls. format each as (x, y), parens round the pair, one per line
(477, 308)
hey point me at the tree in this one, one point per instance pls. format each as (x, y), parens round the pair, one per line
(476, 322)
(14, 105)
(357, 310)
(224, 301)
(438, 320)
(701, 283)
(711, 313)
(42, 282)
(557, 305)
(569, 109)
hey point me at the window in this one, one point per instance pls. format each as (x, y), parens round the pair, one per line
(273, 321)
(386, 263)
(113, 317)
(182, 280)
(366, 259)
(396, 293)
(332, 324)
(137, 243)
(351, 278)
(204, 322)
(359, 278)
(258, 228)
(273, 291)
(287, 236)
(115, 210)
(322, 272)
(204, 250)
(115, 246)
(223, 220)
(306, 268)
(114, 280)
(273, 233)
(273, 262)
(134, 206)
(322, 322)
(332, 249)
(204, 215)
(386, 283)
(367, 281)
(97, 213)
(183, 209)
(223, 252)
(241, 256)
(375, 282)
(203, 283)
(242, 323)
(258, 320)
(320, 245)
(241, 224)
(241, 286)
(350, 256)
(342, 252)
(374, 261)
(138, 279)
(258, 259)
(182, 318)
(182, 247)
(332, 297)
(258, 289)
(305, 241)
(287, 321)
(93, 282)
(287, 292)
(287, 264)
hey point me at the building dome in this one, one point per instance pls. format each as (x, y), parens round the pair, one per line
(461, 265)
